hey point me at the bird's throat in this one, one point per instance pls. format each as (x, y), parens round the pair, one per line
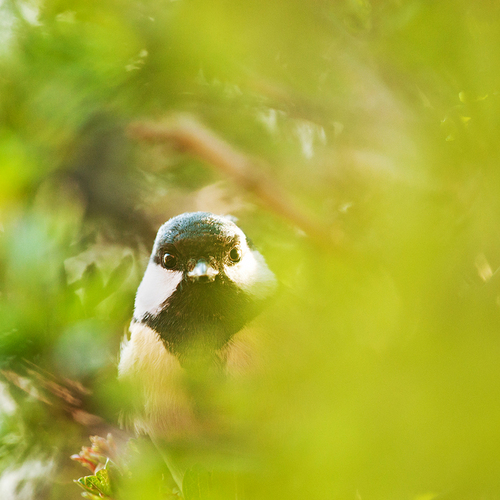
(198, 319)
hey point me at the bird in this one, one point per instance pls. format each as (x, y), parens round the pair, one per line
(204, 283)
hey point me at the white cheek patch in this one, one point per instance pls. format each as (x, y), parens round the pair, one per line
(156, 287)
(252, 275)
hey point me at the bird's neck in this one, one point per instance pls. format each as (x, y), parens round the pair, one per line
(197, 324)
(197, 335)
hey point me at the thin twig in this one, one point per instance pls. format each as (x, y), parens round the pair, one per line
(187, 134)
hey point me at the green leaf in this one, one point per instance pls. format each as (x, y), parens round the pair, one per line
(89, 483)
(104, 483)
(119, 274)
(97, 485)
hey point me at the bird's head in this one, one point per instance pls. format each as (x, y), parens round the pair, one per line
(204, 282)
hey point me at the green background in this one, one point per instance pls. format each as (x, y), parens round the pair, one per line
(376, 120)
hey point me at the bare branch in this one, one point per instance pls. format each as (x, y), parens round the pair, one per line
(187, 134)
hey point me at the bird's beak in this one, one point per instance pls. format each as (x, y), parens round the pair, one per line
(202, 272)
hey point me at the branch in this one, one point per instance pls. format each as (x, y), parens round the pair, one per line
(188, 134)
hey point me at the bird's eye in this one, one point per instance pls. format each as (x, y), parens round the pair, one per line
(235, 254)
(168, 261)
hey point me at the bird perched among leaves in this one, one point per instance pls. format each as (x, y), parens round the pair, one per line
(204, 282)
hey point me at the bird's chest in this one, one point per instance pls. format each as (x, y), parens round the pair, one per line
(168, 393)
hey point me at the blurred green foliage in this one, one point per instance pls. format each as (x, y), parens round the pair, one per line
(376, 116)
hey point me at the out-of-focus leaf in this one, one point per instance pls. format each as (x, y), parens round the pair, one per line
(119, 274)
(196, 484)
